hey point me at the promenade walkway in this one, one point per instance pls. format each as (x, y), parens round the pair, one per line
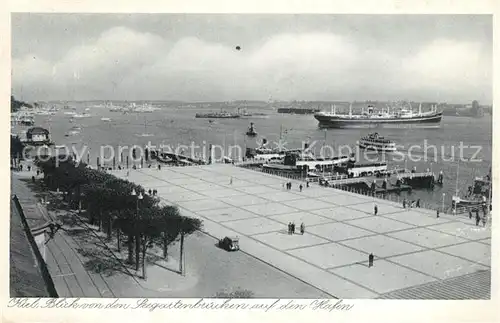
(83, 264)
(411, 247)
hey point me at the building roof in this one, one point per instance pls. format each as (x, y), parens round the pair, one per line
(37, 131)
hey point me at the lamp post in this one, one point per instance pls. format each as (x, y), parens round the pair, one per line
(442, 204)
(137, 236)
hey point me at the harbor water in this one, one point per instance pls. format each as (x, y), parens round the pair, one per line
(175, 124)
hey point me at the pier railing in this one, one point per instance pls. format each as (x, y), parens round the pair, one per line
(353, 180)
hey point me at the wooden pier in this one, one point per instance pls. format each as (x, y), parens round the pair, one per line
(403, 182)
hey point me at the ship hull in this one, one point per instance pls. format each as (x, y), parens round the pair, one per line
(297, 110)
(217, 117)
(369, 147)
(432, 121)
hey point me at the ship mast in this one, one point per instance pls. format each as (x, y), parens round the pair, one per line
(456, 184)
(350, 110)
(420, 108)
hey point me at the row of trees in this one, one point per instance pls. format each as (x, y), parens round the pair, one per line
(118, 207)
(16, 150)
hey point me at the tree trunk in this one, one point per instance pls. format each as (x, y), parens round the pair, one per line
(165, 245)
(100, 219)
(91, 214)
(110, 227)
(137, 251)
(118, 235)
(181, 261)
(144, 248)
(130, 244)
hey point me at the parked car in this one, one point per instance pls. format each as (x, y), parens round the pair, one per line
(230, 243)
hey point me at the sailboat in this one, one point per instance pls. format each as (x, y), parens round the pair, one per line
(145, 133)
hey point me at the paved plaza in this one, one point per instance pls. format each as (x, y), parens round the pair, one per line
(411, 247)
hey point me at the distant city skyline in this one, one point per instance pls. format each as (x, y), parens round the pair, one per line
(436, 58)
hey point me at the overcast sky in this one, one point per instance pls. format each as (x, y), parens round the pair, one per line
(303, 57)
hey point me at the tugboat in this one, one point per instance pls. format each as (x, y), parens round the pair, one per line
(479, 194)
(251, 131)
(375, 142)
(218, 115)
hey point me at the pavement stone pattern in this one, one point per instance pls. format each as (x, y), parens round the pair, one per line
(411, 247)
(209, 270)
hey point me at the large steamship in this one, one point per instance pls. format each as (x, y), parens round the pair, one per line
(384, 118)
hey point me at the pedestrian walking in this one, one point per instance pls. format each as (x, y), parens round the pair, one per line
(484, 220)
(307, 184)
(231, 181)
(300, 187)
(289, 227)
(375, 209)
(418, 203)
(437, 214)
(404, 203)
(370, 260)
(21, 167)
(29, 168)
(33, 179)
(302, 228)
(290, 185)
(293, 228)
(159, 167)
(478, 219)
(470, 214)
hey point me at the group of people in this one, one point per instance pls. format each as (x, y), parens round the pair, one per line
(289, 186)
(291, 228)
(411, 204)
(28, 167)
(152, 192)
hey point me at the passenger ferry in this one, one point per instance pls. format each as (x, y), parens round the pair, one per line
(371, 169)
(375, 142)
